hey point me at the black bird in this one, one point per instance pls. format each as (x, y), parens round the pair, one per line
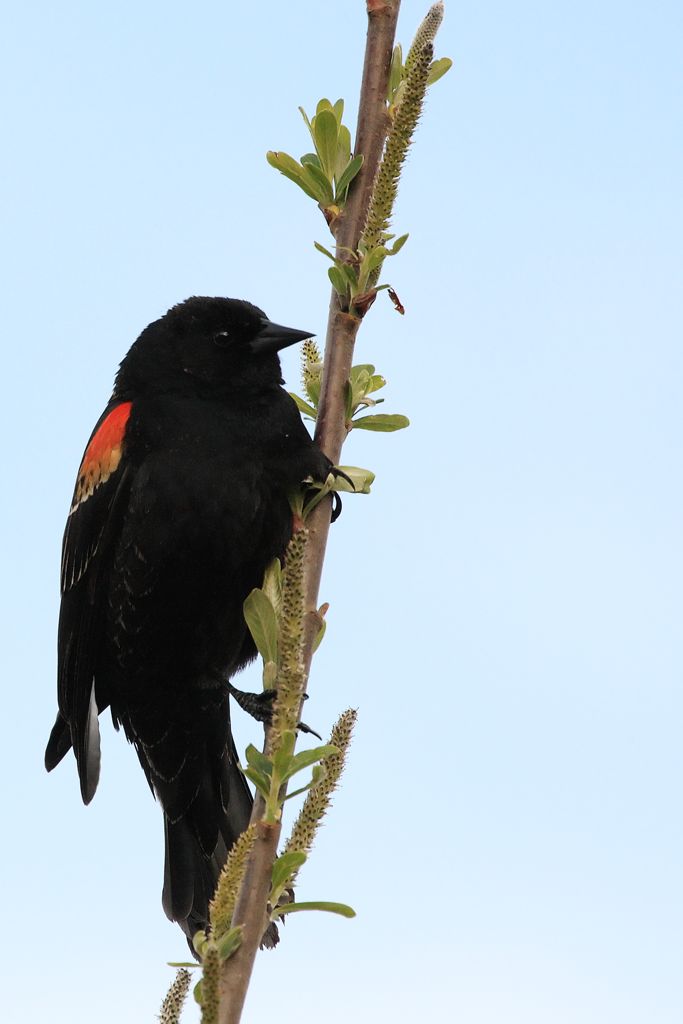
(181, 502)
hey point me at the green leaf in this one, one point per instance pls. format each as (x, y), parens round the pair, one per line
(229, 943)
(376, 383)
(199, 942)
(338, 109)
(343, 149)
(272, 584)
(305, 758)
(382, 422)
(331, 908)
(262, 622)
(298, 792)
(317, 773)
(258, 760)
(396, 71)
(339, 282)
(360, 387)
(303, 407)
(291, 169)
(261, 782)
(438, 69)
(319, 636)
(361, 375)
(310, 158)
(313, 385)
(375, 258)
(321, 183)
(398, 245)
(197, 992)
(285, 866)
(323, 104)
(399, 94)
(349, 273)
(348, 403)
(305, 117)
(182, 963)
(347, 176)
(325, 252)
(325, 134)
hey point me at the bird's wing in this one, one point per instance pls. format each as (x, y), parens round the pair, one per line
(93, 525)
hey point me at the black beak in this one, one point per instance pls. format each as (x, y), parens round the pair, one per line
(272, 337)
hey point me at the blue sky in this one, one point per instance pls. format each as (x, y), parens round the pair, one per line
(505, 607)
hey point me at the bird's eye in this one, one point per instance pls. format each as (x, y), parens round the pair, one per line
(222, 338)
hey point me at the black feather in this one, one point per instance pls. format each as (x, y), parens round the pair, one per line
(165, 540)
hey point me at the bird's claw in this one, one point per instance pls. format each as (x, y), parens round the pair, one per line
(260, 707)
(335, 471)
(302, 727)
(336, 507)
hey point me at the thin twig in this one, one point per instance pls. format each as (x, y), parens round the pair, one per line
(373, 120)
(371, 133)
(330, 434)
(250, 913)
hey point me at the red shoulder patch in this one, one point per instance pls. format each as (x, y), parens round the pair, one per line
(103, 454)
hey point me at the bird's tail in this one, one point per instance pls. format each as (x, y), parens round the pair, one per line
(196, 845)
(192, 767)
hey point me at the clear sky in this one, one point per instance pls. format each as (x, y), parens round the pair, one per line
(505, 608)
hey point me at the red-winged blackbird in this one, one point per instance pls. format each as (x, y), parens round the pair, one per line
(180, 504)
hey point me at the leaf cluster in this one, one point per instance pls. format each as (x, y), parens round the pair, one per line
(269, 774)
(352, 272)
(360, 389)
(325, 174)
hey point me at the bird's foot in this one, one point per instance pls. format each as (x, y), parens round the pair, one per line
(260, 706)
(338, 473)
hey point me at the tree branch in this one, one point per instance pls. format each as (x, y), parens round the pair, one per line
(330, 434)
(250, 913)
(373, 122)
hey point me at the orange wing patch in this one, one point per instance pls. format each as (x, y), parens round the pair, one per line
(103, 454)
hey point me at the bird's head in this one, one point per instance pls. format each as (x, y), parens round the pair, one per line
(204, 343)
